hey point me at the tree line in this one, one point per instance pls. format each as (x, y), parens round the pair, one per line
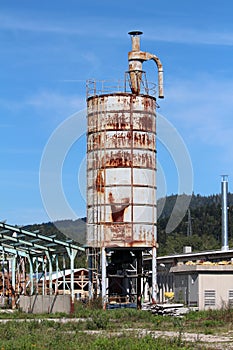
(205, 221)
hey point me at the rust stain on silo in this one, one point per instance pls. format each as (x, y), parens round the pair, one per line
(99, 182)
(118, 209)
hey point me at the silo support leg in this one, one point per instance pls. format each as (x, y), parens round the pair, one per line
(139, 279)
(154, 276)
(104, 267)
(90, 275)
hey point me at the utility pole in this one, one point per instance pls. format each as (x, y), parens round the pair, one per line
(189, 227)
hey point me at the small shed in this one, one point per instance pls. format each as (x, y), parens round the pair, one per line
(207, 286)
(61, 282)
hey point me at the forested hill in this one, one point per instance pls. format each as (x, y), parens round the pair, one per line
(64, 229)
(205, 213)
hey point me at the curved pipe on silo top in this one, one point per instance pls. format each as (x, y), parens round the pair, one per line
(136, 59)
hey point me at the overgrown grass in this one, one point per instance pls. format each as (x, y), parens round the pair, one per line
(90, 327)
(31, 335)
(210, 321)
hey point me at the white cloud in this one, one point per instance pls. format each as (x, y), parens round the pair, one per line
(182, 33)
(203, 108)
(188, 35)
(22, 22)
(31, 22)
(47, 100)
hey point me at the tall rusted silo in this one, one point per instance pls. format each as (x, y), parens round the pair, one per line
(121, 178)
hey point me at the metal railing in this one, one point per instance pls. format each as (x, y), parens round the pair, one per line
(102, 87)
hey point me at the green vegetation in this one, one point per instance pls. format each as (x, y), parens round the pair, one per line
(42, 337)
(93, 328)
(205, 221)
(73, 228)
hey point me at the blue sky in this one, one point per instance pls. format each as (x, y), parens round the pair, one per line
(50, 48)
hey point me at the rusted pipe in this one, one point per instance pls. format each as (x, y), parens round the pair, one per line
(136, 59)
(135, 40)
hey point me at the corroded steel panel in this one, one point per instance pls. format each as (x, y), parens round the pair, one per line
(120, 177)
(144, 176)
(121, 165)
(143, 214)
(144, 195)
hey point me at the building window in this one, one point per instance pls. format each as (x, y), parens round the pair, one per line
(230, 298)
(209, 297)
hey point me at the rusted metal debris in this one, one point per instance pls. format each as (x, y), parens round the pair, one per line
(177, 310)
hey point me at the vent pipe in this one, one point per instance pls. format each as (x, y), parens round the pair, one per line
(224, 187)
(136, 59)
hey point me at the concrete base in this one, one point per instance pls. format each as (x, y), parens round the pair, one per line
(39, 304)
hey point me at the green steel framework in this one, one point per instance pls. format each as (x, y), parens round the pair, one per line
(41, 253)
